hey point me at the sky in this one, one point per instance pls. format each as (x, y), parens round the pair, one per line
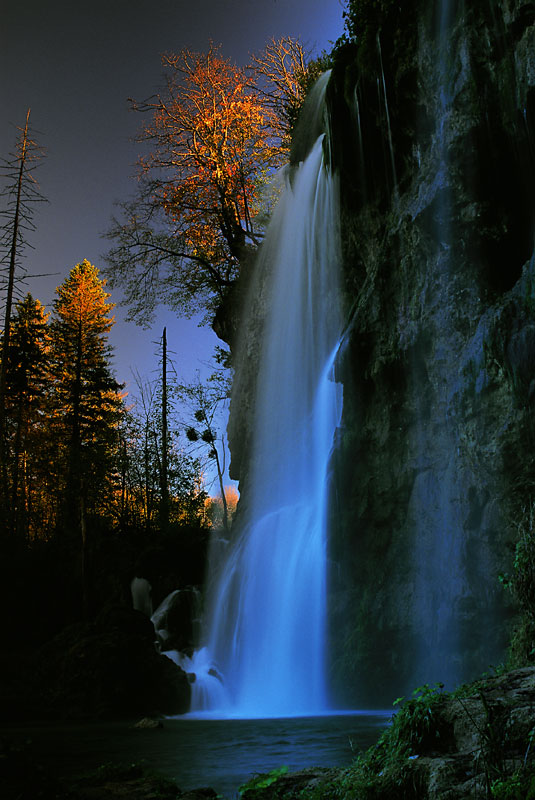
(75, 65)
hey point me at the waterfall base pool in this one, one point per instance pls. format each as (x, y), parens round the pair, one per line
(222, 754)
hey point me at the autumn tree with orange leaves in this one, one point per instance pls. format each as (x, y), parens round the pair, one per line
(214, 133)
(86, 400)
(86, 403)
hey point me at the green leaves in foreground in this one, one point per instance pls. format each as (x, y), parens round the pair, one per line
(519, 786)
(262, 780)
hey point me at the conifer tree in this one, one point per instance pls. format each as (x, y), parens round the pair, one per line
(18, 196)
(86, 400)
(27, 381)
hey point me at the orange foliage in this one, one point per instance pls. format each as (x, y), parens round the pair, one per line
(212, 133)
(213, 507)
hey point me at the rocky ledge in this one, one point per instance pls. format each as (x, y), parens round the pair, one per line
(476, 742)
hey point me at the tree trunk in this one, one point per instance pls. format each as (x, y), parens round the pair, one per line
(7, 314)
(164, 478)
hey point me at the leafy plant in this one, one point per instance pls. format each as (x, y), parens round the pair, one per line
(384, 770)
(261, 781)
(521, 582)
(415, 724)
(519, 786)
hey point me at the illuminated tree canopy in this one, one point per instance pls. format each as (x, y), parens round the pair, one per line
(215, 132)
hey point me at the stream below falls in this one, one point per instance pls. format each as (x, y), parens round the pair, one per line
(221, 753)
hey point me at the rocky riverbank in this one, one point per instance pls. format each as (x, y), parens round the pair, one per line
(477, 742)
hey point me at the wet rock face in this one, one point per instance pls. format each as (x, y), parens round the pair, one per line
(438, 365)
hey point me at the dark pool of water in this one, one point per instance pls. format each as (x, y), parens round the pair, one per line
(222, 754)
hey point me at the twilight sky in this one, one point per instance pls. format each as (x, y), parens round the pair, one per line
(75, 64)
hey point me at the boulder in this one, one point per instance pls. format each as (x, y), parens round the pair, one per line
(110, 668)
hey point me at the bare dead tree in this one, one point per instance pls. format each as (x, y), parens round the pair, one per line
(20, 193)
(286, 70)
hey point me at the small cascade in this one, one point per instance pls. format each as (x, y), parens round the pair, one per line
(208, 692)
(267, 617)
(141, 595)
(360, 142)
(159, 618)
(177, 621)
(383, 96)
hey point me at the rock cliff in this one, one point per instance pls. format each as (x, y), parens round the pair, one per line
(435, 455)
(432, 122)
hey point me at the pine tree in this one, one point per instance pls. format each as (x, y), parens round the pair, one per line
(27, 380)
(19, 195)
(86, 401)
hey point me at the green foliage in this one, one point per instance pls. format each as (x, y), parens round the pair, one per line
(524, 563)
(261, 781)
(384, 771)
(27, 387)
(518, 786)
(364, 18)
(415, 724)
(384, 37)
(521, 582)
(192, 435)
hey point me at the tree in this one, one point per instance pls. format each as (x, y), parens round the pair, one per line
(215, 134)
(22, 191)
(287, 71)
(214, 508)
(27, 382)
(86, 401)
(138, 463)
(211, 134)
(139, 494)
(204, 401)
(164, 468)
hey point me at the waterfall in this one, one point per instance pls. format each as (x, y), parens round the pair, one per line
(382, 85)
(141, 595)
(266, 628)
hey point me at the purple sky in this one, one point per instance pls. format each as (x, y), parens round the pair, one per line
(75, 64)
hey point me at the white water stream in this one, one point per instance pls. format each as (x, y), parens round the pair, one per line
(264, 648)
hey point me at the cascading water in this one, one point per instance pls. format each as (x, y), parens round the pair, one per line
(382, 86)
(266, 628)
(141, 595)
